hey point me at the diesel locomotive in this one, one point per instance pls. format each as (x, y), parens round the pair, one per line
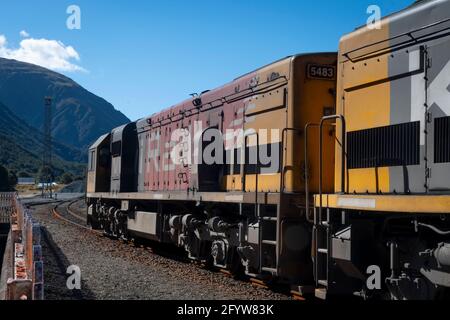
(146, 179)
(391, 204)
(328, 172)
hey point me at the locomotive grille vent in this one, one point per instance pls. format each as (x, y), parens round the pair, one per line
(271, 152)
(396, 145)
(442, 140)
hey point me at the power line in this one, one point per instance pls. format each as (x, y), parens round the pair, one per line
(47, 168)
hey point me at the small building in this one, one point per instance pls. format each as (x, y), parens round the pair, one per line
(26, 181)
(46, 185)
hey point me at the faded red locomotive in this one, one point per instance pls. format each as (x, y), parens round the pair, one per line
(222, 174)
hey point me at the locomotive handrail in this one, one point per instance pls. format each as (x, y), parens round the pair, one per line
(307, 127)
(282, 155)
(257, 167)
(256, 183)
(226, 99)
(343, 147)
(405, 34)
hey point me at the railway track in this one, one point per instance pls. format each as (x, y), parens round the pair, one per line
(73, 213)
(64, 211)
(67, 214)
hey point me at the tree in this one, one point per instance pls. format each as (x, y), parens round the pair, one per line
(66, 178)
(12, 179)
(23, 174)
(45, 174)
(4, 180)
(78, 178)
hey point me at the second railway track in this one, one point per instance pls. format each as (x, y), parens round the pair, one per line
(64, 211)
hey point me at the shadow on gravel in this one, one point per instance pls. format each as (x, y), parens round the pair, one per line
(163, 249)
(55, 277)
(172, 252)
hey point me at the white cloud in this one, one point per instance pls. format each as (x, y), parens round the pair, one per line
(24, 34)
(51, 54)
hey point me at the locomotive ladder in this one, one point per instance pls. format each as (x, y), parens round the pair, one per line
(268, 249)
(322, 248)
(268, 255)
(322, 227)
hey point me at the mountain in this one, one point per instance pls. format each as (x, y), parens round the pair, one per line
(21, 148)
(79, 116)
(31, 139)
(17, 159)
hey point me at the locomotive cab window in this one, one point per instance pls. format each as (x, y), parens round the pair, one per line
(116, 149)
(91, 165)
(103, 157)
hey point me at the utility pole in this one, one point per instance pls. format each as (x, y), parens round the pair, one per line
(47, 168)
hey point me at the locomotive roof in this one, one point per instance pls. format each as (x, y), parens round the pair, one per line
(287, 58)
(99, 141)
(411, 6)
(420, 15)
(209, 95)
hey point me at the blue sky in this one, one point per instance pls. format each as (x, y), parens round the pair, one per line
(143, 56)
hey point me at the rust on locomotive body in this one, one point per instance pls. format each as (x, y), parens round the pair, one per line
(222, 173)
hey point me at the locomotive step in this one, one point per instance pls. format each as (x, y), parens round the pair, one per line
(321, 293)
(323, 283)
(270, 242)
(271, 270)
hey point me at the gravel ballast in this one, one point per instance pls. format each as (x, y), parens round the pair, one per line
(111, 269)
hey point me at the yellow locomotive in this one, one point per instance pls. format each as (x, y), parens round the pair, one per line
(389, 215)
